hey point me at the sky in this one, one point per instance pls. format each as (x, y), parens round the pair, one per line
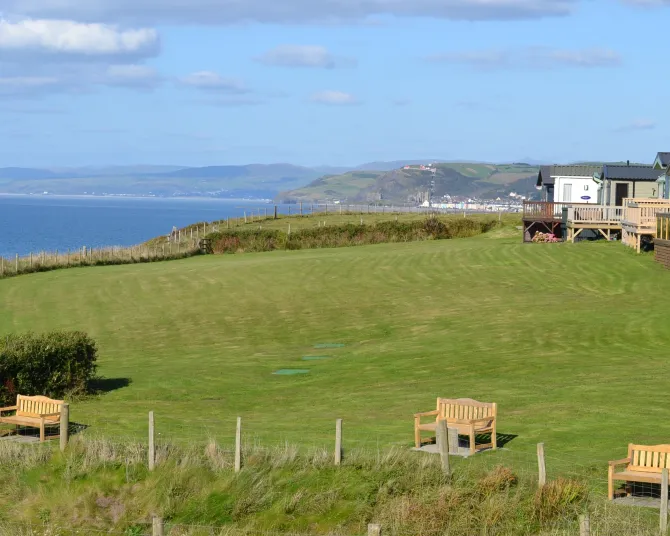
(331, 82)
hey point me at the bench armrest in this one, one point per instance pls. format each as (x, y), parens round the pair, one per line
(619, 462)
(426, 413)
(50, 414)
(472, 421)
(9, 408)
(483, 419)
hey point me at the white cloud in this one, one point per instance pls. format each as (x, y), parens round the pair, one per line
(337, 98)
(303, 56)
(73, 38)
(637, 124)
(589, 57)
(284, 11)
(26, 86)
(138, 76)
(210, 81)
(532, 57)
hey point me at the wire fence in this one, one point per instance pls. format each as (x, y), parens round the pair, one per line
(229, 442)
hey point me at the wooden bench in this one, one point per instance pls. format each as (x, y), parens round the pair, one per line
(644, 464)
(34, 412)
(469, 416)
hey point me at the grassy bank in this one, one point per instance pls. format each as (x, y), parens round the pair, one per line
(102, 486)
(324, 236)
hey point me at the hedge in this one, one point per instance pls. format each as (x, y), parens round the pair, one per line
(51, 364)
(253, 240)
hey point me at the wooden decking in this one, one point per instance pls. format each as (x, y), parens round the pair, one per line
(639, 220)
(662, 240)
(633, 221)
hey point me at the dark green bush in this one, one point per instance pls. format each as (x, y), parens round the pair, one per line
(236, 241)
(50, 364)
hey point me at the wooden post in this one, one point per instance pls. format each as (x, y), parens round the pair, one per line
(542, 469)
(584, 525)
(338, 442)
(238, 445)
(289, 229)
(31, 259)
(442, 433)
(157, 526)
(64, 425)
(374, 529)
(275, 212)
(17, 263)
(152, 444)
(301, 208)
(245, 216)
(664, 501)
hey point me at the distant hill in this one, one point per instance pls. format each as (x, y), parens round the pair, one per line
(254, 180)
(413, 184)
(388, 181)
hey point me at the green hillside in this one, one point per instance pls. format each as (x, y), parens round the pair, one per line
(197, 341)
(410, 185)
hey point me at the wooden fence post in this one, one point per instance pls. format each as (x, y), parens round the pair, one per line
(157, 526)
(238, 445)
(64, 425)
(664, 501)
(584, 525)
(542, 469)
(17, 263)
(374, 529)
(442, 434)
(338, 442)
(152, 442)
(275, 212)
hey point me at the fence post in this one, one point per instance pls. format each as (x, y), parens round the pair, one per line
(2, 266)
(275, 212)
(64, 425)
(374, 529)
(238, 445)
(152, 443)
(664, 501)
(17, 263)
(542, 469)
(289, 229)
(442, 434)
(338, 442)
(157, 526)
(584, 525)
(301, 208)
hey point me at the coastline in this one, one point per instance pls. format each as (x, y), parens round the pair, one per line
(136, 197)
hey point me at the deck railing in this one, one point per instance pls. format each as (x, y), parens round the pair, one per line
(643, 212)
(594, 214)
(546, 210)
(663, 225)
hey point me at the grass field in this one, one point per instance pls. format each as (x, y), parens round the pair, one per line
(570, 340)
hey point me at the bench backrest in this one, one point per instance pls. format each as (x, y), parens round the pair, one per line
(34, 406)
(464, 409)
(648, 458)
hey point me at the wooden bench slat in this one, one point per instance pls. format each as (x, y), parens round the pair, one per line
(35, 411)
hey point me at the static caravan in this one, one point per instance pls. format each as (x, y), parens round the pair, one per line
(570, 184)
(635, 181)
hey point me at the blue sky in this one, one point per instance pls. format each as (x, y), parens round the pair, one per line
(336, 82)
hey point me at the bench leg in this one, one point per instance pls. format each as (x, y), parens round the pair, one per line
(610, 483)
(472, 440)
(42, 431)
(494, 437)
(417, 436)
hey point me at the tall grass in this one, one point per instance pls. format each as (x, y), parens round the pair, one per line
(256, 240)
(105, 486)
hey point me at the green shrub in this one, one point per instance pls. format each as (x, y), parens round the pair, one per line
(50, 364)
(236, 241)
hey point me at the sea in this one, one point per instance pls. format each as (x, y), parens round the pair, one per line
(49, 223)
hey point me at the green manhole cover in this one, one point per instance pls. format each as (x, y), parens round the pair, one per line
(329, 345)
(290, 372)
(315, 357)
